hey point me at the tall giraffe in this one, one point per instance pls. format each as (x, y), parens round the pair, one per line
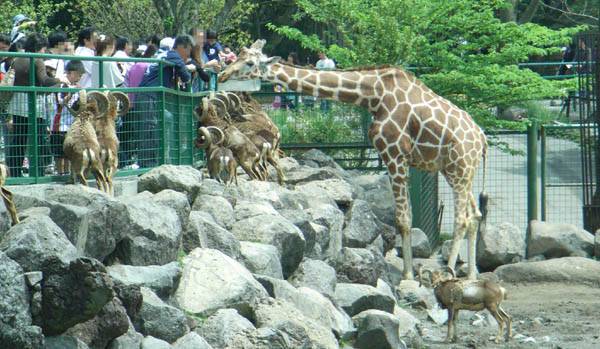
(412, 126)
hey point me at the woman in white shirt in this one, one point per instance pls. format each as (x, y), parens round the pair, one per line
(113, 77)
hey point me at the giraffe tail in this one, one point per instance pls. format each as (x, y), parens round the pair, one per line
(483, 197)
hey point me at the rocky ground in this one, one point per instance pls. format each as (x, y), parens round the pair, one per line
(544, 315)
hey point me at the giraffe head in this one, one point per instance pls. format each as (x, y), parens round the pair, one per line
(251, 63)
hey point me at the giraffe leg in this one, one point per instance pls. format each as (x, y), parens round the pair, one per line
(473, 220)
(460, 225)
(403, 218)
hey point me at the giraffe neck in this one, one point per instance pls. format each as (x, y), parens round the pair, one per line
(365, 88)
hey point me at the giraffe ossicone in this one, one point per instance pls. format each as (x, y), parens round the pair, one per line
(411, 126)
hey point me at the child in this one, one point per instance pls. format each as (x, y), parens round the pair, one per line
(63, 118)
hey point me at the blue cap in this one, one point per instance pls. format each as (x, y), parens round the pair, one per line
(20, 18)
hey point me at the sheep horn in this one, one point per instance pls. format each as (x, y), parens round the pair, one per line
(124, 102)
(449, 270)
(219, 132)
(81, 103)
(101, 100)
(235, 100)
(205, 134)
(422, 273)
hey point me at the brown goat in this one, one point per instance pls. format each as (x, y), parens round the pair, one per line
(7, 194)
(221, 163)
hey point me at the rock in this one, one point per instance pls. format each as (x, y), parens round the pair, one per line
(131, 339)
(415, 296)
(421, 248)
(566, 269)
(261, 259)
(328, 242)
(463, 251)
(358, 265)
(260, 192)
(202, 231)
(183, 179)
(514, 114)
(191, 340)
(246, 209)
(305, 174)
(317, 158)
(277, 231)
(110, 323)
(559, 240)
(160, 320)
(280, 315)
(337, 189)
(175, 200)
(16, 330)
(161, 279)
(64, 342)
(597, 245)
(438, 315)
(220, 328)
(376, 190)
(211, 281)
(361, 227)
(150, 342)
(499, 245)
(218, 207)
(154, 234)
(315, 274)
(356, 298)
(35, 242)
(376, 329)
(130, 296)
(407, 323)
(73, 293)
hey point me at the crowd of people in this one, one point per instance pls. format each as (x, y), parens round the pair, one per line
(192, 56)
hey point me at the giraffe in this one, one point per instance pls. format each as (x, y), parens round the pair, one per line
(411, 126)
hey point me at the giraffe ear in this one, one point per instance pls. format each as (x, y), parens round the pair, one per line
(269, 61)
(258, 44)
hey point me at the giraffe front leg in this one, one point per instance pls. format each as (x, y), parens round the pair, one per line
(460, 224)
(403, 221)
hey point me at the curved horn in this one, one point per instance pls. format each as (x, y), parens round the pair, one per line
(221, 138)
(101, 100)
(204, 139)
(125, 104)
(449, 270)
(234, 100)
(79, 106)
(422, 272)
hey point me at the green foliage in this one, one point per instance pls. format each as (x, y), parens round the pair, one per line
(200, 319)
(38, 10)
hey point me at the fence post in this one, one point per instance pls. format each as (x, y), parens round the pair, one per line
(532, 174)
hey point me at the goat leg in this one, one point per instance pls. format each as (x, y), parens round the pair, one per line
(10, 206)
(450, 315)
(508, 325)
(498, 317)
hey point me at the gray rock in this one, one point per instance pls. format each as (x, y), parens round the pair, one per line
(315, 274)
(559, 240)
(64, 342)
(36, 241)
(376, 190)
(361, 227)
(597, 245)
(319, 159)
(183, 179)
(415, 296)
(150, 342)
(218, 207)
(407, 323)
(261, 259)
(191, 340)
(304, 174)
(161, 279)
(337, 189)
(421, 248)
(260, 192)
(154, 234)
(315, 195)
(376, 329)
(202, 231)
(566, 269)
(16, 330)
(246, 209)
(292, 199)
(110, 323)
(74, 221)
(72, 293)
(328, 242)
(277, 231)
(500, 245)
(309, 229)
(264, 338)
(160, 320)
(322, 310)
(514, 114)
(175, 200)
(463, 251)
(358, 265)
(356, 298)
(220, 328)
(211, 281)
(279, 315)
(131, 339)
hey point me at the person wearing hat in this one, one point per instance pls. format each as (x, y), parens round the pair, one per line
(20, 23)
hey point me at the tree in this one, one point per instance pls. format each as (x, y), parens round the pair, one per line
(466, 53)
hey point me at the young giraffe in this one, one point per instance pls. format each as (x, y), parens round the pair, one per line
(412, 126)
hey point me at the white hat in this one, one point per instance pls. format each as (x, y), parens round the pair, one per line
(167, 43)
(142, 48)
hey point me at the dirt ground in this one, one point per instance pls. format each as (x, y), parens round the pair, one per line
(544, 315)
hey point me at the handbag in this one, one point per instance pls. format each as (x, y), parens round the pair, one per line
(7, 81)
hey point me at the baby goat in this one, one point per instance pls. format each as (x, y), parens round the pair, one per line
(475, 295)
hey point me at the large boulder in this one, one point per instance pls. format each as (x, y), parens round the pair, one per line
(220, 328)
(72, 293)
(131, 339)
(597, 245)
(16, 330)
(315, 274)
(277, 231)
(316, 158)
(175, 200)
(185, 179)
(420, 246)
(337, 189)
(359, 265)
(356, 298)
(361, 226)
(217, 206)
(328, 241)
(377, 329)
(261, 259)
(212, 281)
(110, 323)
(499, 245)
(376, 190)
(567, 269)
(36, 241)
(162, 279)
(204, 232)
(191, 340)
(160, 320)
(559, 240)
(154, 234)
(64, 342)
